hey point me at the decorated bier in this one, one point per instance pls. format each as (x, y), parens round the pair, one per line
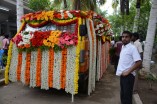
(52, 49)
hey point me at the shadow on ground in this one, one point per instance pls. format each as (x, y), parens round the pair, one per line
(106, 92)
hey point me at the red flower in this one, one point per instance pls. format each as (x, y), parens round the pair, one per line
(17, 39)
(38, 38)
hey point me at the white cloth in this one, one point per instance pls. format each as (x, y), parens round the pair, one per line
(138, 46)
(128, 56)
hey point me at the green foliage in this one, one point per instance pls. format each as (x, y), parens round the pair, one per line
(120, 22)
(39, 5)
(4, 59)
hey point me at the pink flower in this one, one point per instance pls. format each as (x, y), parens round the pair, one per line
(17, 39)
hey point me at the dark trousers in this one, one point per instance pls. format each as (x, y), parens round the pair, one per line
(126, 84)
(116, 62)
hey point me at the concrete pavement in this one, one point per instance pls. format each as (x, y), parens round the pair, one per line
(106, 92)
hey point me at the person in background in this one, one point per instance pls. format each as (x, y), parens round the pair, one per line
(112, 42)
(118, 46)
(1, 38)
(5, 44)
(129, 61)
(138, 45)
(1, 58)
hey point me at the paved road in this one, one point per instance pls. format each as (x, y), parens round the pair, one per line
(107, 92)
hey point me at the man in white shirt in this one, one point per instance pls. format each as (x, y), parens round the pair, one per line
(138, 45)
(129, 61)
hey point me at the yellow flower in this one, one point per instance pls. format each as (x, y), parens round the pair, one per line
(52, 45)
(45, 42)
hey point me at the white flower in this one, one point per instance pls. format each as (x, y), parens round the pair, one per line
(61, 11)
(101, 25)
(69, 14)
(97, 26)
(102, 30)
(20, 43)
(62, 15)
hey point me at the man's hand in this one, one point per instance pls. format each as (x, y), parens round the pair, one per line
(125, 73)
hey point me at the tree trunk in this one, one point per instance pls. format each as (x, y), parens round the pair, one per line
(77, 5)
(65, 4)
(150, 36)
(19, 11)
(137, 16)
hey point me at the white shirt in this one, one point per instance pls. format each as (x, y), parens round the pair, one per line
(138, 46)
(128, 56)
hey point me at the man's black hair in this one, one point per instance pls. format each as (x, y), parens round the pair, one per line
(127, 32)
(136, 35)
(6, 36)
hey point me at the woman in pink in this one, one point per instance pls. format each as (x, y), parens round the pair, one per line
(5, 44)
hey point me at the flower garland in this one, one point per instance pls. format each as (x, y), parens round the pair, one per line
(71, 66)
(94, 56)
(23, 67)
(10, 55)
(98, 60)
(57, 70)
(8, 63)
(76, 71)
(51, 64)
(27, 71)
(19, 66)
(51, 15)
(64, 22)
(38, 68)
(33, 69)
(13, 64)
(38, 24)
(63, 68)
(44, 70)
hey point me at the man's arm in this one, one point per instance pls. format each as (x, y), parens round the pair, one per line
(134, 67)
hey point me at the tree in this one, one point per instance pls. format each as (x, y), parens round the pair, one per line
(120, 22)
(19, 10)
(38, 5)
(137, 16)
(150, 36)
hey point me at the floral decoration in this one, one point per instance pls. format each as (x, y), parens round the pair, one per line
(54, 39)
(38, 38)
(67, 39)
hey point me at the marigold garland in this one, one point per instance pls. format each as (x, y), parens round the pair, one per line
(64, 22)
(27, 71)
(50, 67)
(63, 68)
(38, 70)
(37, 24)
(19, 66)
(8, 63)
(76, 71)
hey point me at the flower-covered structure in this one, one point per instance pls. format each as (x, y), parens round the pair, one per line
(50, 50)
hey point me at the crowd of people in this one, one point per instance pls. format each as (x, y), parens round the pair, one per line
(4, 45)
(127, 62)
